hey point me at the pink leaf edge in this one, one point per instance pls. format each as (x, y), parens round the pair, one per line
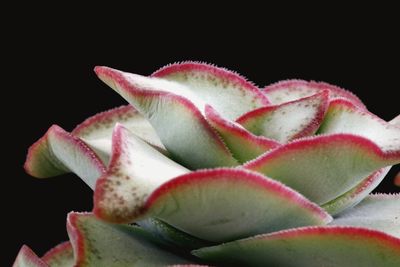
(258, 144)
(258, 180)
(310, 142)
(129, 89)
(26, 255)
(56, 251)
(309, 128)
(223, 73)
(102, 117)
(315, 87)
(357, 194)
(37, 153)
(76, 237)
(385, 239)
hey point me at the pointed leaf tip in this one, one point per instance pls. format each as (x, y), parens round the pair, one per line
(344, 117)
(227, 91)
(289, 120)
(27, 258)
(121, 193)
(58, 152)
(194, 143)
(289, 90)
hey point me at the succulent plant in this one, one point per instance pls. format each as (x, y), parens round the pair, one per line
(206, 168)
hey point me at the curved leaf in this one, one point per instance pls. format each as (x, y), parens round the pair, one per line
(333, 246)
(136, 169)
(243, 144)
(289, 90)
(96, 243)
(171, 235)
(27, 258)
(380, 212)
(344, 117)
(97, 130)
(226, 91)
(323, 167)
(287, 121)
(192, 142)
(358, 193)
(60, 256)
(58, 152)
(134, 190)
(229, 204)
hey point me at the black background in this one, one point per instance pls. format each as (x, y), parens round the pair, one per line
(49, 79)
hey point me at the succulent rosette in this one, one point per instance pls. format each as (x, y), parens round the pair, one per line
(203, 167)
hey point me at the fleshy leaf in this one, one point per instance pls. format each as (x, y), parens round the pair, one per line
(171, 235)
(323, 167)
(97, 243)
(60, 256)
(226, 91)
(289, 90)
(344, 117)
(260, 205)
(58, 152)
(380, 212)
(358, 193)
(192, 141)
(97, 130)
(27, 258)
(287, 121)
(134, 190)
(243, 144)
(332, 246)
(136, 169)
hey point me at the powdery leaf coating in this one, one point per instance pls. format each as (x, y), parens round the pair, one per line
(323, 167)
(380, 212)
(332, 246)
(289, 90)
(192, 142)
(97, 243)
(243, 144)
(289, 120)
